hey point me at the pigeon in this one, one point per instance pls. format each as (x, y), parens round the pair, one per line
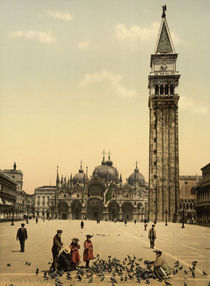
(204, 273)
(45, 274)
(68, 276)
(91, 279)
(29, 263)
(102, 278)
(113, 280)
(167, 283)
(58, 281)
(185, 272)
(147, 281)
(180, 268)
(37, 271)
(8, 264)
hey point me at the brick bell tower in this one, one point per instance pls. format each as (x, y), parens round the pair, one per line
(163, 129)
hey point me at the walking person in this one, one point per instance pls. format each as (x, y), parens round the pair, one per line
(88, 250)
(75, 257)
(125, 222)
(22, 236)
(57, 245)
(82, 224)
(152, 236)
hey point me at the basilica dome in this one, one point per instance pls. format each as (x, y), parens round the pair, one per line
(79, 177)
(106, 171)
(136, 178)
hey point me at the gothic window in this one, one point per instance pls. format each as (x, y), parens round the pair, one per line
(155, 139)
(155, 176)
(171, 89)
(161, 89)
(155, 163)
(156, 89)
(155, 151)
(166, 89)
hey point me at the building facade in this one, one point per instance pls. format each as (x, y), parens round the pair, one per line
(17, 175)
(202, 190)
(44, 198)
(163, 129)
(102, 197)
(187, 198)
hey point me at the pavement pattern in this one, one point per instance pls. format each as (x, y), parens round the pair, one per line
(188, 244)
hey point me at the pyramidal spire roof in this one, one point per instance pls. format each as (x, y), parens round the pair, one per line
(164, 42)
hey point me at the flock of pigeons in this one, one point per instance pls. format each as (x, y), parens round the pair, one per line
(130, 269)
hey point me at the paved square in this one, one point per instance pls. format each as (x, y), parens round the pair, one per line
(115, 239)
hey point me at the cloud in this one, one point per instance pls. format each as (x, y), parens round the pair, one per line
(42, 37)
(61, 16)
(107, 78)
(187, 103)
(131, 36)
(83, 45)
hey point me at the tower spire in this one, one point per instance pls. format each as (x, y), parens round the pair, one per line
(57, 178)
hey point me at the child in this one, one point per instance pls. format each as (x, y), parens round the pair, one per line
(75, 257)
(88, 250)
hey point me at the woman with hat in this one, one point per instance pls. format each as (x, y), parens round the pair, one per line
(64, 260)
(75, 257)
(88, 250)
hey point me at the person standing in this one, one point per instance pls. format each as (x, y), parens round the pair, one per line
(82, 224)
(152, 236)
(88, 250)
(57, 245)
(36, 220)
(75, 257)
(22, 236)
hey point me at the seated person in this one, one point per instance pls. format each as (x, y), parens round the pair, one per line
(161, 268)
(64, 260)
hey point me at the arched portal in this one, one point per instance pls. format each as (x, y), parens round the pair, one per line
(63, 210)
(76, 208)
(113, 208)
(127, 211)
(95, 209)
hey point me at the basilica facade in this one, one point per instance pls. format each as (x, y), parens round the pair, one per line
(103, 196)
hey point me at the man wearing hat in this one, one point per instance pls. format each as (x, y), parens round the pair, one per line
(22, 236)
(88, 250)
(57, 245)
(152, 236)
(75, 257)
(161, 268)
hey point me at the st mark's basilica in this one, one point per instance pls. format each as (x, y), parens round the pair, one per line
(103, 196)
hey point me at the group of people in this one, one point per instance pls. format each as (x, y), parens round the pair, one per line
(68, 258)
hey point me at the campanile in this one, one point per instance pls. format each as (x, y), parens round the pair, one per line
(163, 128)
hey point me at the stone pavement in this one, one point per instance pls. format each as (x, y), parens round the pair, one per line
(185, 245)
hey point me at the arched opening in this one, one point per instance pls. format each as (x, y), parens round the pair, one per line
(156, 89)
(161, 90)
(166, 89)
(113, 208)
(62, 209)
(171, 89)
(127, 211)
(76, 208)
(95, 209)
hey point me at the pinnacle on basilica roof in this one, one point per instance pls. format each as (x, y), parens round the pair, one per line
(164, 42)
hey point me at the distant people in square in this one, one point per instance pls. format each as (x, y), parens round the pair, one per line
(145, 225)
(75, 257)
(152, 236)
(82, 224)
(36, 220)
(125, 222)
(135, 221)
(57, 245)
(161, 267)
(27, 220)
(88, 250)
(22, 236)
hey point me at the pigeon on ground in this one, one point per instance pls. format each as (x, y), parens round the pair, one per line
(180, 268)
(91, 279)
(8, 264)
(204, 273)
(37, 271)
(167, 283)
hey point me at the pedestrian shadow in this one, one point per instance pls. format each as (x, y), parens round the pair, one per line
(15, 250)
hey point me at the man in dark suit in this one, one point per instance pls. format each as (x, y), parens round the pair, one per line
(57, 245)
(22, 236)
